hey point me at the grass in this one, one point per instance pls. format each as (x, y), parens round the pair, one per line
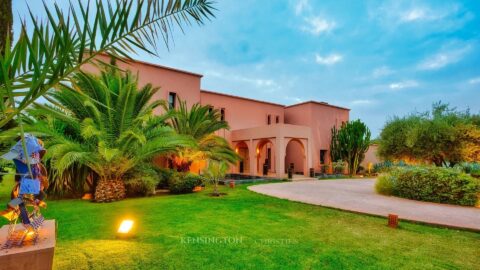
(264, 233)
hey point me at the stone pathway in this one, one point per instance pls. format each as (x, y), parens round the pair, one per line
(359, 196)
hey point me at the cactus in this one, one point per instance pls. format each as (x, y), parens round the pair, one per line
(350, 143)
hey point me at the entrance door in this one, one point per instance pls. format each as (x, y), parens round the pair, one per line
(241, 167)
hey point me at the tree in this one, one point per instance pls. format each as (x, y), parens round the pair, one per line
(350, 144)
(106, 125)
(216, 171)
(200, 123)
(444, 137)
(6, 23)
(48, 55)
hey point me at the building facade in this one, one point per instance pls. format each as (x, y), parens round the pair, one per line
(268, 136)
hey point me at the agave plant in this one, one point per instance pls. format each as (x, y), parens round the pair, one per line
(106, 125)
(200, 123)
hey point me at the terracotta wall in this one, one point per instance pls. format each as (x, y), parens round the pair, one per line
(371, 156)
(321, 118)
(185, 84)
(240, 112)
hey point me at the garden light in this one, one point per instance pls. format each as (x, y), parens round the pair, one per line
(125, 227)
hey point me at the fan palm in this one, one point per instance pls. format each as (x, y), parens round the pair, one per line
(106, 125)
(200, 123)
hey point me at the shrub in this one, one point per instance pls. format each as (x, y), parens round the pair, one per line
(180, 183)
(339, 166)
(141, 186)
(433, 184)
(164, 174)
(384, 184)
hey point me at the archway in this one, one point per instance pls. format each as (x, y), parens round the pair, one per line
(265, 154)
(243, 165)
(295, 157)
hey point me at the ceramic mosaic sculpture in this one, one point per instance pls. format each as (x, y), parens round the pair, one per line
(27, 197)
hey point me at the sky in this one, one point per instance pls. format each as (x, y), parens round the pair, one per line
(378, 58)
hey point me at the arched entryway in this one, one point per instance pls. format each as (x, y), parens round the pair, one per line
(243, 165)
(295, 157)
(265, 154)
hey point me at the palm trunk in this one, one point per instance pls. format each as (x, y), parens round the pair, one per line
(110, 190)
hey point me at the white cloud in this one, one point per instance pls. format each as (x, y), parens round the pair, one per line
(362, 102)
(328, 59)
(414, 14)
(426, 18)
(443, 59)
(474, 80)
(382, 72)
(403, 84)
(318, 25)
(301, 6)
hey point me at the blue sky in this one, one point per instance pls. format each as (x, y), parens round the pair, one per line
(379, 58)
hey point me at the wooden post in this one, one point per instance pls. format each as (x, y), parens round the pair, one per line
(392, 220)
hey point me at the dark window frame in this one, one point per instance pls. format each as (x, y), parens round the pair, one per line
(172, 100)
(323, 155)
(222, 114)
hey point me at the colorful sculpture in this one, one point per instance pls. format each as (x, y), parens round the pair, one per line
(28, 194)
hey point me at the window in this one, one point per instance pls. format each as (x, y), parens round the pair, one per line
(222, 114)
(277, 119)
(323, 154)
(172, 97)
(269, 119)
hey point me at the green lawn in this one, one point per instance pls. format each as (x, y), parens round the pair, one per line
(266, 233)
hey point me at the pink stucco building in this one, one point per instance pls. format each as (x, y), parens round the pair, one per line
(260, 132)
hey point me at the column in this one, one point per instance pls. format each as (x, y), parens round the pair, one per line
(280, 156)
(252, 152)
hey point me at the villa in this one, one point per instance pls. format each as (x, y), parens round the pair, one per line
(269, 137)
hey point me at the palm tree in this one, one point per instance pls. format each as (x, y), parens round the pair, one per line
(200, 123)
(49, 54)
(106, 125)
(214, 173)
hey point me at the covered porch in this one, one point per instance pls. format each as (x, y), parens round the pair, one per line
(272, 149)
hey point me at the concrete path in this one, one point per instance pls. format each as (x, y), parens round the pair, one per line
(359, 196)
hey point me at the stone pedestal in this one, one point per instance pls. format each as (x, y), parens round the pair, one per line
(38, 256)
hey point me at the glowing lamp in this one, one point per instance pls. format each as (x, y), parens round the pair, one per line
(125, 228)
(236, 150)
(258, 151)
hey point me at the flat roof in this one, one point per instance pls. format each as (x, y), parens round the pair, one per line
(156, 65)
(319, 103)
(276, 104)
(244, 98)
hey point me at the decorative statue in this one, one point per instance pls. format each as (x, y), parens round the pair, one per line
(28, 193)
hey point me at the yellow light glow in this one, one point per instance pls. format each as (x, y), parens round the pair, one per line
(236, 150)
(258, 151)
(125, 226)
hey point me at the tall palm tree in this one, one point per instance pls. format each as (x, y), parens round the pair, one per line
(106, 125)
(200, 123)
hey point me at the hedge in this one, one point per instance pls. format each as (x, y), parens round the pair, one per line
(431, 184)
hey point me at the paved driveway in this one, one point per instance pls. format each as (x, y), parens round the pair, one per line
(359, 196)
